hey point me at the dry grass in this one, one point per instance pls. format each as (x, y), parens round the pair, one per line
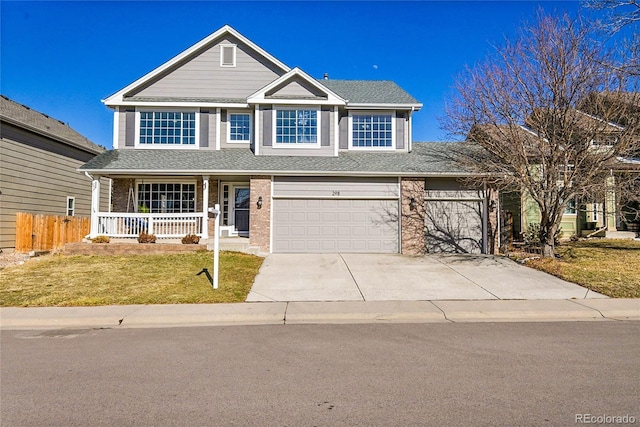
(610, 267)
(129, 279)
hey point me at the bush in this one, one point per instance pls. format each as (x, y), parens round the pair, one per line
(190, 239)
(532, 235)
(101, 239)
(146, 238)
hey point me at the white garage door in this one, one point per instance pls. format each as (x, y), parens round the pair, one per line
(335, 214)
(453, 226)
(340, 225)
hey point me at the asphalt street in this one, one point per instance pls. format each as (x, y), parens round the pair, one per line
(322, 375)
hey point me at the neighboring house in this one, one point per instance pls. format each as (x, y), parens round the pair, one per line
(593, 217)
(297, 164)
(40, 157)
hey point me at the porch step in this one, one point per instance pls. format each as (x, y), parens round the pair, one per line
(621, 235)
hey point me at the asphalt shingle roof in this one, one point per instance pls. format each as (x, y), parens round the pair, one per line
(22, 115)
(369, 91)
(425, 159)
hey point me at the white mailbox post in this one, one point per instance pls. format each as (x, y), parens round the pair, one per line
(216, 242)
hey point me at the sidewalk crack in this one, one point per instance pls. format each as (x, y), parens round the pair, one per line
(442, 311)
(477, 284)
(353, 277)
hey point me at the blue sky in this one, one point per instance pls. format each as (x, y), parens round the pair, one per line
(62, 58)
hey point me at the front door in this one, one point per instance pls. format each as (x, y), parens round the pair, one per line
(241, 210)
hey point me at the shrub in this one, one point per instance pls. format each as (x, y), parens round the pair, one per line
(532, 235)
(190, 239)
(101, 239)
(146, 238)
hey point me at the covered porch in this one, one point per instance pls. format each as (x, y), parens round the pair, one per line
(171, 207)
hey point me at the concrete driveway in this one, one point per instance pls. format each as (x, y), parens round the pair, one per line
(373, 277)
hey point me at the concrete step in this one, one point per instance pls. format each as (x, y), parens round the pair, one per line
(621, 235)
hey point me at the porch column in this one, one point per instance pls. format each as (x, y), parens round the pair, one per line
(610, 204)
(205, 206)
(95, 205)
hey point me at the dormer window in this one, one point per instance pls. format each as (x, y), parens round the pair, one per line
(228, 55)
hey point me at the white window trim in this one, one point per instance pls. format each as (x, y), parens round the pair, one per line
(235, 49)
(155, 180)
(195, 146)
(392, 113)
(248, 113)
(297, 145)
(73, 207)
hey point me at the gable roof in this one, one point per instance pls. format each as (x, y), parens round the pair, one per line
(202, 44)
(293, 75)
(364, 92)
(426, 159)
(34, 121)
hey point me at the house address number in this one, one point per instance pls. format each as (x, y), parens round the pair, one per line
(335, 193)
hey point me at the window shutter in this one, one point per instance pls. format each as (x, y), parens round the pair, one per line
(267, 127)
(325, 137)
(204, 128)
(130, 128)
(400, 119)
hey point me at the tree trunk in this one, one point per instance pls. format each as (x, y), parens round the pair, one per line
(547, 237)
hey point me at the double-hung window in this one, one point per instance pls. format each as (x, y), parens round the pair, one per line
(71, 206)
(297, 127)
(239, 127)
(167, 128)
(166, 197)
(372, 131)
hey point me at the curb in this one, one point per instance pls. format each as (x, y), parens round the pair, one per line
(341, 312)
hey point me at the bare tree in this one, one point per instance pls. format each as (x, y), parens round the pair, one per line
(521, 112)
(618, 16)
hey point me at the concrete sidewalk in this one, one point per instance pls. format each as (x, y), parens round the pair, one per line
(280, 313)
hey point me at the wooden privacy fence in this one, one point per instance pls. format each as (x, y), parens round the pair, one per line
(48, 232)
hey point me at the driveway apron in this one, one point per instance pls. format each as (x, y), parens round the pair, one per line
(392, 277)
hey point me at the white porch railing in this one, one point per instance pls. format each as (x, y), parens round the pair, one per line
(115, 224)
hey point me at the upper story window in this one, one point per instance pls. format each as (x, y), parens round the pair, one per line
(372, 131)
(239, 127)
(227, 55)
(167, 128)
(297, 127)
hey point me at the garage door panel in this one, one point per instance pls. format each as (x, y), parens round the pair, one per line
(336, 225)
(454, 226)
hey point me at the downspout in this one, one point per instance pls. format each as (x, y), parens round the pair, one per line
(95, 204)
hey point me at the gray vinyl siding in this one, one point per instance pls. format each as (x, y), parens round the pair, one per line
(296, 89)
(327, 127)
(336, 187)
(122, 130)
(202, 76)
(38, 181)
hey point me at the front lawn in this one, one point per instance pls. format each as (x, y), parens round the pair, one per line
(128, 279)
(610, 267)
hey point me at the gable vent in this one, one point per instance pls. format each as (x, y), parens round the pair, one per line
(227, 56)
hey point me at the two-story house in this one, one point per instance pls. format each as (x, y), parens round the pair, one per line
(297, 164)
